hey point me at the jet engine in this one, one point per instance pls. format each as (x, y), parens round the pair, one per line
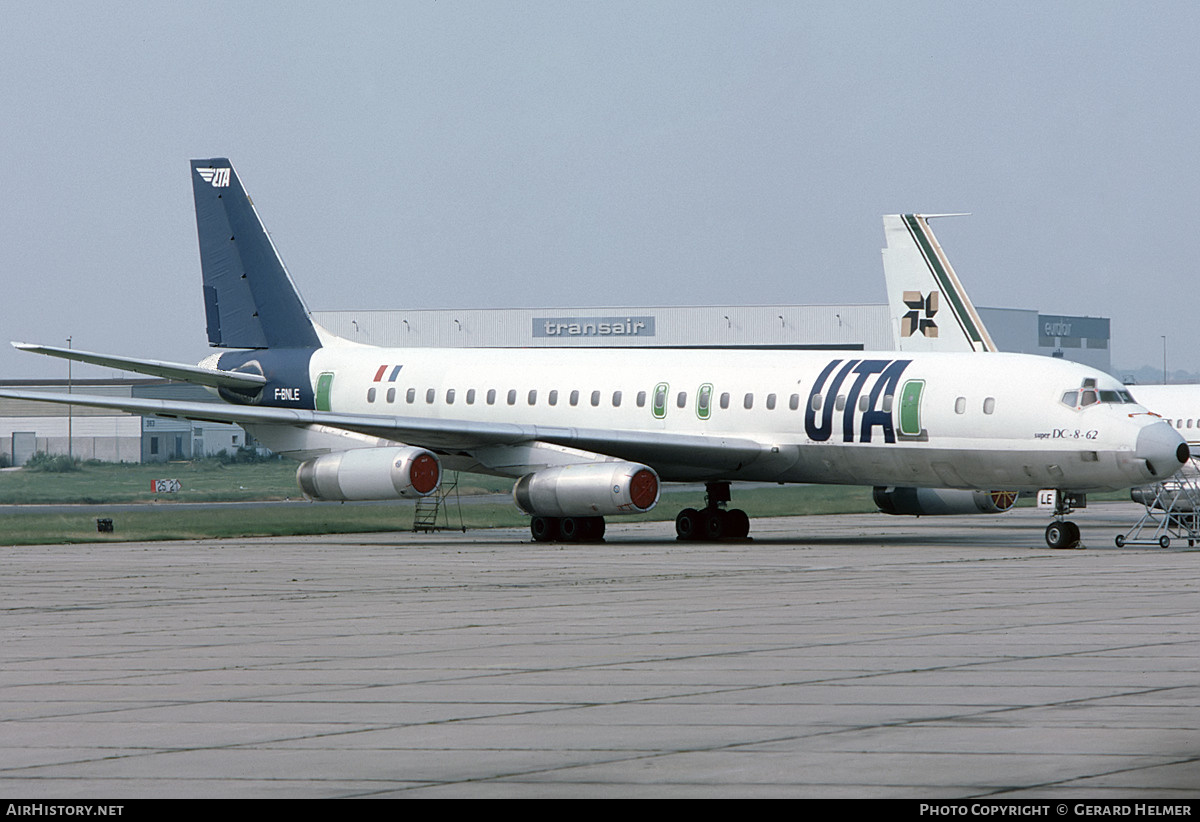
(588, 490)
(925, 502)
(370, 473)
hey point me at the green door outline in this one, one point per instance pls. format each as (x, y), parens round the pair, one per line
(324, 384)
(704, 401)
(910, 408)
(659, 404)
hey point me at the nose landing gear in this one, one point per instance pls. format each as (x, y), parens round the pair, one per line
(1062, 533)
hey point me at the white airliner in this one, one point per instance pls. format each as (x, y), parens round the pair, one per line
(590, 433)
(931, 311)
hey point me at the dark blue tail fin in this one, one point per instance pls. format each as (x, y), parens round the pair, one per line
(249, 299)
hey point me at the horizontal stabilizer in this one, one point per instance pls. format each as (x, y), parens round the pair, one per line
(155, 368)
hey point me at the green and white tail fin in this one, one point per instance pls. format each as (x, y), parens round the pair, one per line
(929, 308)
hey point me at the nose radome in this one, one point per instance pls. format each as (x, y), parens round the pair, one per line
(1163, 449)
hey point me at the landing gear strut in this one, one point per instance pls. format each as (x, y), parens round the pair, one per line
(714, 521)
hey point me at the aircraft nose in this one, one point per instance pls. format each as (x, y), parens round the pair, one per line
(1162, 448)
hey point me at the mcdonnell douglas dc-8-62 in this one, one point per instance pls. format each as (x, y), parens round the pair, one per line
(592, 433)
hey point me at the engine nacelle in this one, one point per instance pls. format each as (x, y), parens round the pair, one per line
(370, 473)
(927, 502)
(588, 490)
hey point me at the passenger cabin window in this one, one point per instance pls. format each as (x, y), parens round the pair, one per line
(410, 396)
(770, 402)
(989, 405)
(725, 399)
(641, 399)
(681, 400)
(371, 394)
(552, 398)
(391, 395)
(595, 399)
(491, 396)
(960, 405)
(794, 401)
(533, 396)
(748, 401)
(470, 396)
(512, 396)
(840, 403)
(429, 395)
(449, 396)
(616, 399)
(574, 398)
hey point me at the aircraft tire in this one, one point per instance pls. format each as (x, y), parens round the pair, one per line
(716, 524)
(1063, 534)
(688, 524)
(543, 529)
(570, 529)
(738, 525)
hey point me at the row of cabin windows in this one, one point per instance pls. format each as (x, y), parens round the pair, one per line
(552, 397)
(793, 401)
(1186, 423)
(660, 399)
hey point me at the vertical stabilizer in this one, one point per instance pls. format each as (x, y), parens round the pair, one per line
(249, 298)
(929, 308)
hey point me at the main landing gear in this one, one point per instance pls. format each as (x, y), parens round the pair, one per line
(1062, 533)
(714, 521)
(567, 529)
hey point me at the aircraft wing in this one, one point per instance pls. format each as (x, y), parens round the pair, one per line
(651, 447)
(156, 368)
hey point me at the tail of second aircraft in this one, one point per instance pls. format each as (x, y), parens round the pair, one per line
(930, 309)
(250, 300)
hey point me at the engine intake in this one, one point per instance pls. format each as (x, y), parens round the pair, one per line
(588, 490)
(927, 502)
(370, 473)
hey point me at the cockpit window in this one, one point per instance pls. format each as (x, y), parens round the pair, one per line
(1088, 394)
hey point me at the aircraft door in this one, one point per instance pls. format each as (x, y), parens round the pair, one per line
(324, 386)
(910, 408)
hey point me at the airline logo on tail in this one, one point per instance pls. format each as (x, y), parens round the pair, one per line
(912, 322)
(218, 177)
(920, 282)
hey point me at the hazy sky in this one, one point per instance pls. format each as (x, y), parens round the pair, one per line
(474, 154)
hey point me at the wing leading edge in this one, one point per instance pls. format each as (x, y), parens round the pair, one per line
(702, 453)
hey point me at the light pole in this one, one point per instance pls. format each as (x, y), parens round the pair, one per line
(1164, 339)
(70, 416)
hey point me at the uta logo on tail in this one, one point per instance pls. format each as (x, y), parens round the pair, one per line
(218, 177)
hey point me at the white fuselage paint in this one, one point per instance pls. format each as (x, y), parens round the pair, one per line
(1178, 405)
(1029, 440)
